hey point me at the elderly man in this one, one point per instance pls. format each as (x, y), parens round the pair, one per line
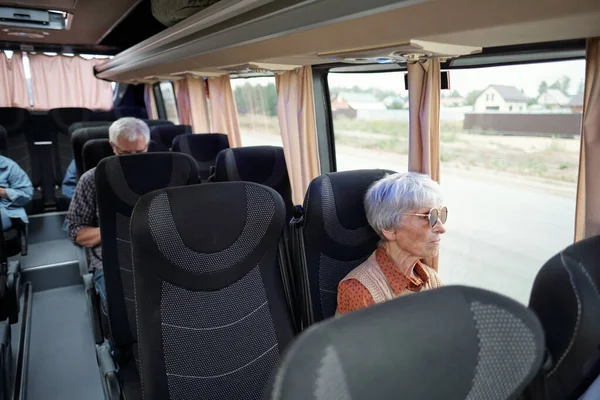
(127, 136)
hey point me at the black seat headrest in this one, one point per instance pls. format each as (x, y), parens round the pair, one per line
(566, 298)
(260, 164)
(79, 137)
(203, 147)
(450, 343)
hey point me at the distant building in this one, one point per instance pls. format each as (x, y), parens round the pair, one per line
(502, 99)
(553, 98)
(452, 101)
(348, 103)
(576, 103)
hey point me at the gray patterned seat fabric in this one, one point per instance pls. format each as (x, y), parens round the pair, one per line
(566, 298)
(212, 316)
(120, 181)
(333, 237)
(453, 343)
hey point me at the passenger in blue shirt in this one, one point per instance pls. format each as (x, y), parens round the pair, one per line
(68, 187)
(70, 180)
(15, 192)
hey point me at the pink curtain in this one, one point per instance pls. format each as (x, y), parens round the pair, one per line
(13, 86)
(62, 81)
(296, 114)
(150, 101)
(192, 104)
(424, 85)
(587, 214)
(224, 116)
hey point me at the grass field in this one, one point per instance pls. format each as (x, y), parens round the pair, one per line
(547, 157)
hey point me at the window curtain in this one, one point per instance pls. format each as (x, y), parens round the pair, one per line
(296, 113)
(13, 85)
(192, 104)
(150, 102)
(63, 81)
(424, 85)
(224, 116)
(587, 214)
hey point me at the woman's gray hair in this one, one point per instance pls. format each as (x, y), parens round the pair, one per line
(128, 128)
(389, 198)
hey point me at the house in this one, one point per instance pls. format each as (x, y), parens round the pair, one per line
(501, 98)
(348, 103)
(452, 101)
(576, 103)
(553, 98)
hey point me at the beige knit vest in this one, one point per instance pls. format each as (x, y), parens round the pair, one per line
(370, 275)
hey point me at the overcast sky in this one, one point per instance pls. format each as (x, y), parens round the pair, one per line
(526, 77)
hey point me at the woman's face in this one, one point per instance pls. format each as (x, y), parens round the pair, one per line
(415, 236)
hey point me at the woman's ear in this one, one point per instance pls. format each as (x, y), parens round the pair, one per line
(389, 235)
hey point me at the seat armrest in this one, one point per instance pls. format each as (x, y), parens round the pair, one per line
(93, 307)
(23, 230)
(211, 173)
(12, 293)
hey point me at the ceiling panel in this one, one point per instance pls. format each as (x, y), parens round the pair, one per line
(92, 20)
(62, 5)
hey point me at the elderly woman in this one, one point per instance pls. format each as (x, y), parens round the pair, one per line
(406, 211)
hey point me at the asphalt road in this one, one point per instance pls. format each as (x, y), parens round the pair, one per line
(500, 229)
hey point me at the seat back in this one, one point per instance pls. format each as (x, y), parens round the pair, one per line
(165, 134)
(19, 147)
(87, 124)
(204, 148)
(450, 343)
(62, 119)
(80, 137)
(95, 150)
(120, 181)
(566, 298)
(259, 164)
(336, 236)
(211, 311)
(156, 122)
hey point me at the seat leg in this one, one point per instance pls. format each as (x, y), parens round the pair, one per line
(108, 372)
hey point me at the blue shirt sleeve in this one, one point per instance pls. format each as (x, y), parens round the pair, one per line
(70, 181)
(19, 190)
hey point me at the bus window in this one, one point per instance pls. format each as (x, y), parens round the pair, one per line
(168, 95)
(370, 120)
(510, 140)
(256, 101)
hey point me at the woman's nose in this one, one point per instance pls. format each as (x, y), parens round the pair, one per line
(439, 227)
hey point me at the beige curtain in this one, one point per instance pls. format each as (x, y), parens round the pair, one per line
(150, 102)
(192, 104)
(424, 85)
(13, 85)
(587, 215)
(224, 116)
(296, 113)
(62, 81)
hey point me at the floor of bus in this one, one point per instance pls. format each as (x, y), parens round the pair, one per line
(61, 358)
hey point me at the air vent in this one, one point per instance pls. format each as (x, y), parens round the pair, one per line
(30, 18)
(412, 50)
(258, 67)
(25, 33)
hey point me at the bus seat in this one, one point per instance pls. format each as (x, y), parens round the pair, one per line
(80, 137)
(165, 134)
(204, 148)
(63, 118)
(259, 164)
(212, 318)
(95, 150)
(566, 298)
(19, 146)
(331, 237)
(120, 181)
(87, 124)
(454, 342)
(157, 122)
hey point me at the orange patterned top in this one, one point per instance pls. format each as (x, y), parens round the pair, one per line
(352, 295)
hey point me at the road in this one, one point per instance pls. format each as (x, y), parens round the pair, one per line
(501, 229)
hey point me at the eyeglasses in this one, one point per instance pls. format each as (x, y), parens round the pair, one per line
(434, 215)
(122, 153)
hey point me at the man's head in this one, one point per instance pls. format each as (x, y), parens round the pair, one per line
(129, 136)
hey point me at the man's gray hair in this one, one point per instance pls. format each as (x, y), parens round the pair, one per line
(128, 128)
(389, 198)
